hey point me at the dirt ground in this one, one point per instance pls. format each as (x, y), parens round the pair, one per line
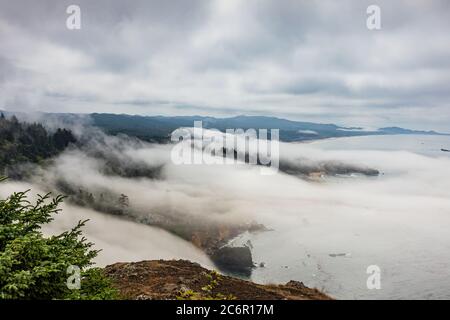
(161, 280)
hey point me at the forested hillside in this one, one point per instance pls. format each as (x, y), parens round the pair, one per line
(159, 128)
(29, 142)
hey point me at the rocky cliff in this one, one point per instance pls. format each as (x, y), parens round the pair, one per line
(181, 279)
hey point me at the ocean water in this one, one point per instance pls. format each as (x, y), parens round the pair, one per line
(330, 232)
(429, 145)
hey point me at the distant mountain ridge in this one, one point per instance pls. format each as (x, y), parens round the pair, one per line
(159, 128)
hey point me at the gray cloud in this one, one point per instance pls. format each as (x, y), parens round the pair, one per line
(308, 60)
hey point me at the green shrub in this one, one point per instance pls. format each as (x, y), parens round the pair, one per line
(207, 292)
(33, 266)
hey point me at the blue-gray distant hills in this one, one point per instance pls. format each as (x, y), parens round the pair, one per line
(158, 128)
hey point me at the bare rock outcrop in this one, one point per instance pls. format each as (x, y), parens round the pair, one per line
(162, 280)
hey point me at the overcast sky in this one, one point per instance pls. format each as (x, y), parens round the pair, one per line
(306, 60)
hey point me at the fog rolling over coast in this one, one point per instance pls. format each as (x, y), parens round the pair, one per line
(120, 240)
(326, 229)
(328, 233)
(220, 149)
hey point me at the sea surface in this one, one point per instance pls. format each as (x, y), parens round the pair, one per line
(398, 222)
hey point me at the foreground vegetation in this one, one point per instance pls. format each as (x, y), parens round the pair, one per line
(33, 266)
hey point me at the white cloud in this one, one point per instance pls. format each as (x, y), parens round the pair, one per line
(306, 60)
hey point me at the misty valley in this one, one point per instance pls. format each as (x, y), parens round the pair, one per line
(329, 212)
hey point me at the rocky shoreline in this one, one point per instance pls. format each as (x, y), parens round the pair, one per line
(182, 279)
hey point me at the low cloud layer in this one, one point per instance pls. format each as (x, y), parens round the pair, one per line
(309, 60)
(119, 239)
(398, 220)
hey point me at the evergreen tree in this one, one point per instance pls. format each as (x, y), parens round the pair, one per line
(23, 142)
(36, 267)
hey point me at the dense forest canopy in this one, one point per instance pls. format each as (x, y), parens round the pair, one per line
(29, 142)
